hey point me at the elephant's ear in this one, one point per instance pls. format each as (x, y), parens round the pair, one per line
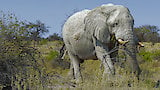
(95, 24)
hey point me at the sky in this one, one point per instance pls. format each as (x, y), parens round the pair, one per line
(54, 12)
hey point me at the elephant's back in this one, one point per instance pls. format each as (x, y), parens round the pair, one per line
(75, 23)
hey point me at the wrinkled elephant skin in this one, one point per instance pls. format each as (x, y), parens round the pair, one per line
(88, 35)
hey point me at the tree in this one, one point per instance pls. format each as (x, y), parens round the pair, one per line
(37, 30)
(19, 61)
(11, 28)
(54, 37)
(147, 33)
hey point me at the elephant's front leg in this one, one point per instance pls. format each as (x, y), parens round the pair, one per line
(106, 60)
(75, 66)
(103, 55)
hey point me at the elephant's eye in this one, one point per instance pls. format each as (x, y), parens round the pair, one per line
(115, 24)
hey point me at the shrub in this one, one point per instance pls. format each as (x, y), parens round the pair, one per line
(150, 55)
(52, 55)
(43, 42)
(156, 55)
(147, 56)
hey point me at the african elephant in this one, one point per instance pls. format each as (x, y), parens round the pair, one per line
(89, 34)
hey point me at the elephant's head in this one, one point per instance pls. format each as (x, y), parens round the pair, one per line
(108, 20)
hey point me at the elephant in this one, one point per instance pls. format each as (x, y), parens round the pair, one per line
(92, 34)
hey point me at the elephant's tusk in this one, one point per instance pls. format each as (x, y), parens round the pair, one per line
(140, 44)
(122, 41)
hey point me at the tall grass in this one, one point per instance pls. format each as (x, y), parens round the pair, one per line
(92, 72)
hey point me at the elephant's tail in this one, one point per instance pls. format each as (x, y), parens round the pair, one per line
(63, 52)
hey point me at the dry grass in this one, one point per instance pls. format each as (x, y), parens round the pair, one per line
(92, 74)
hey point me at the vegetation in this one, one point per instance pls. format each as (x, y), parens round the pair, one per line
(28, 61)
(20, 61)
(147, 33)
(54, 37)
(36, 30)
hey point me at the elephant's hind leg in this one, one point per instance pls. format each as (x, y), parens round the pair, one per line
(71, 72)
(75, 67)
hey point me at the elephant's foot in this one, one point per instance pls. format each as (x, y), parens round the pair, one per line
(108, 73)
(77, 81)
(107, 78)
(109, 70)
(78, 78)
(71, 75)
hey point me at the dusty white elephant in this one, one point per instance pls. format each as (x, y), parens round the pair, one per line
(88, 34)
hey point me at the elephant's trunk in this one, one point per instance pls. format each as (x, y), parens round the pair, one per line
(130, 50)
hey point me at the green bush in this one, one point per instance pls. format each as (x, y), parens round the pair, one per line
(147, 56)
(43, 41)
(52, 55)
(156, 55)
